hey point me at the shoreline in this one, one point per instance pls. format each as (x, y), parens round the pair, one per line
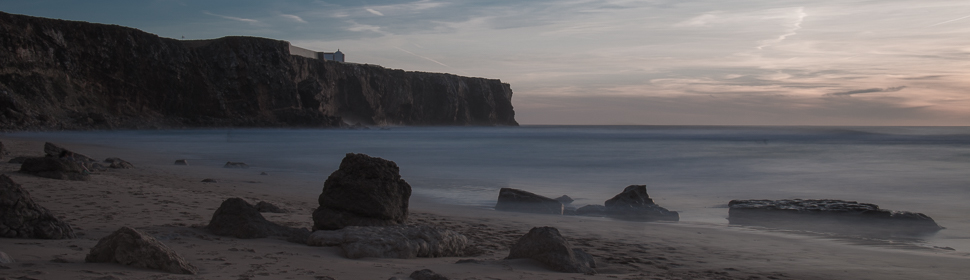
(171, 203)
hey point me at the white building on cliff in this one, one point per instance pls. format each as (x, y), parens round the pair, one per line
(331, 56)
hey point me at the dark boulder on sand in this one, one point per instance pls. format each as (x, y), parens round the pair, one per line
(635, 204)
(54, 168)
(829, 215)
(402, 242)
(131, 247)
(181, 162)
(426, 274)
(364, 191)
(546, 245)
(516, 200)
(239, 219)
(230, 164)
(52, 150)
(21, 217)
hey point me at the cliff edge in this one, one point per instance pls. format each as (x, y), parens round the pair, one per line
(57, 74)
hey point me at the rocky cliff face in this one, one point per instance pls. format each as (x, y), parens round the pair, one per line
(57, 74)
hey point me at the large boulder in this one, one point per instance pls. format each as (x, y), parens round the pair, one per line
(546, 245)
(239, 219)
(634, 204)
(364, 191)
(830, 215)
(516, 200)
(402, 242)
(20, 217)
(130, 247)
(54, 168)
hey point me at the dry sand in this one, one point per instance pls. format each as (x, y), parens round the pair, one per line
(172, 204)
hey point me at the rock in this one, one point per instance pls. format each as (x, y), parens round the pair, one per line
(516, 200)
(364, 191)
(569, 211)
(130, 247)
(239, 219)
(20, 159)
(4, 258)
(592, 210)
(230, 164)
(55, 151)
(266, 207)
(829, 215)
(118, 163)
(263, 173)
(3, 151)
(401, 242)
(54, 168)
(426, 274)
(207, 180)
(634, 204)
(181, 162)
(546, 245)
(565, 199)
(21, 217)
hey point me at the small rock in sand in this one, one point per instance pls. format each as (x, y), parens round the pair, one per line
(118, 163)
(130, 247)
(266, 207)
(546, 245)
(237, 218)
(207, 180)
(20, 217)
(263, 173)
(181, 162)
(402, 242)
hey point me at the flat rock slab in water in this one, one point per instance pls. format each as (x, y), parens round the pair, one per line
(829, 215)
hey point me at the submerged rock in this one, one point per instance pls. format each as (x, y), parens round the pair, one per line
(239, 219)
(130, 247)
(546, 245)
(181, 162)
(516, 200)
(635, 204)
(54, 168)
(829, 215)
(364, 191)
(21, 217)
(402, 242)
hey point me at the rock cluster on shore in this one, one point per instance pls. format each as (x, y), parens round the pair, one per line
(632, 204)
(830, 215)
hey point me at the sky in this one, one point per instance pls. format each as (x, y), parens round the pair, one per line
(617, 62)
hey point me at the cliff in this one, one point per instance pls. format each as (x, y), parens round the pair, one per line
(57, 74)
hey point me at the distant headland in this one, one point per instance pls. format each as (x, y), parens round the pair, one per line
(59, 74)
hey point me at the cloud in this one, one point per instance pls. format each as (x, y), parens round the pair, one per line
(246, 20)
(797, 17)
(949, 21)
(374, 12)
(294, 18)
(871, 90)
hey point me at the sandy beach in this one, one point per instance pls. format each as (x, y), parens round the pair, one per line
(172, 204)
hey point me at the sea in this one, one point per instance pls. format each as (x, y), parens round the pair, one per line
(695, 170)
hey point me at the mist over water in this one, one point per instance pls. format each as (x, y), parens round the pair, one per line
(689, 169)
